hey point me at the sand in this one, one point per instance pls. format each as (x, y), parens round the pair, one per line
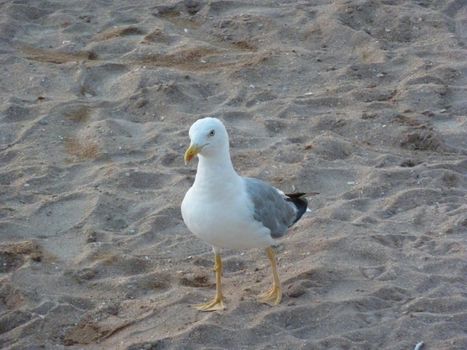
(364, 102)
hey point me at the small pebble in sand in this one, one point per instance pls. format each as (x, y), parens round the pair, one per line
(419, 346)
(295, 290)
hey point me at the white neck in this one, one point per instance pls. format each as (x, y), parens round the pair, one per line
(216, 171)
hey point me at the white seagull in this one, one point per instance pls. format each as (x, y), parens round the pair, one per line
(230, 211)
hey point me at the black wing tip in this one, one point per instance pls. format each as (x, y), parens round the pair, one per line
(301, 194)
(295, 195)
(300, 203)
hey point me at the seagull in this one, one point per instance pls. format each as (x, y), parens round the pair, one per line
(227, 210)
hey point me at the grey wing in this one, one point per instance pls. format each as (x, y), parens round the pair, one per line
(270, 208)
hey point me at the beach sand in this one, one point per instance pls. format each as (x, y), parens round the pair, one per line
(364, 102)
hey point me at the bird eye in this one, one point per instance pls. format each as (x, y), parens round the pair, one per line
(212, 133)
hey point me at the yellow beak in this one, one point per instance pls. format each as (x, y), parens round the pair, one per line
(191, 152)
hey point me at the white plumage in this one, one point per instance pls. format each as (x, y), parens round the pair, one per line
(223, 215)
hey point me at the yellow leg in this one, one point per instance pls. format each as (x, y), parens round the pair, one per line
(217, 302)
(274, 295)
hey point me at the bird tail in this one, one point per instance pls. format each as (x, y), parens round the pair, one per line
(300, 202)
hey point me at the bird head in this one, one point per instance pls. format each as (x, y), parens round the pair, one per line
(208, 138)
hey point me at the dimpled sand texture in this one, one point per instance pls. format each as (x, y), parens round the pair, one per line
(362, 101)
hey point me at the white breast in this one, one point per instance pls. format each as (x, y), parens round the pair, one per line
(224, 220)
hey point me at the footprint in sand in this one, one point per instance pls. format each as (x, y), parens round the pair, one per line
(59, 216)
(112, 81)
